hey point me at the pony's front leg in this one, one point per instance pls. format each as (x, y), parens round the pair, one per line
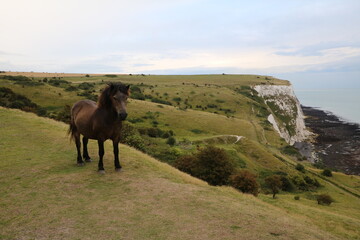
(101, 155)
(116, 155)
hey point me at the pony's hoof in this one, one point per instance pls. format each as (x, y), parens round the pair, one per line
(118, 169)
(81, 164)
(88, 160)
(101, 172)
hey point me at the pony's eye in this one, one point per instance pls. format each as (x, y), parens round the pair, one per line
(115, 97)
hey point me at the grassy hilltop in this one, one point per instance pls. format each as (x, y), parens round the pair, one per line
(45, 194)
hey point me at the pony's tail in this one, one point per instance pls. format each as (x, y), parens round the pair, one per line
(72, 129)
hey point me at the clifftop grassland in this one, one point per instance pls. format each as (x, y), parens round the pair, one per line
(45, 195)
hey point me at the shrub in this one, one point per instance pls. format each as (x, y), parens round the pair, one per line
(300, 168)
(274, 183)
(86, 86)
(13, 100)
(210, 164)
(214, 165)
(197, 131)
(154, 132)
(70, 88)
(171, 141)
(156, 100)
(287, 185)
(297, 197)
(186, 164)
(300, 183)
(135, 141)
(130, 136)
(64, 115)
(137, 95)
(327, 173)
(245, 181)
(127, 130)
(290, 150)
(324, 199)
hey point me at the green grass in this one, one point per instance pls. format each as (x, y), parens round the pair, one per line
(45, 195)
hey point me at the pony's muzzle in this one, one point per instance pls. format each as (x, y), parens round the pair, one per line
(122, 116)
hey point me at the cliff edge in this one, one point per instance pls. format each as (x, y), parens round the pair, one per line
(286, 115)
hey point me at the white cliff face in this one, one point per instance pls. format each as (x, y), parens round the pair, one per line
(287, 117)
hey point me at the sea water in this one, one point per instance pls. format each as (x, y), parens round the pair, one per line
(344, 103)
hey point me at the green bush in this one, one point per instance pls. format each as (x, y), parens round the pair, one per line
(130, 136)
(245, 181)
(86, 86)
(197, 131)
(10, 99)
(210, 164)
(290, 150)
(171, 141)
(287, 185)
(154, 132)
(214, 165)
(324, 199)
(297, 197)
(70, 88)
(300, 168)
(64, 115)
(157, 100)
(327, 173)
(135, 141)
(137, 95)
(274, 183)
(187, 164)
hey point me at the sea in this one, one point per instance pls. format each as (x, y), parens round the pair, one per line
(344, 103)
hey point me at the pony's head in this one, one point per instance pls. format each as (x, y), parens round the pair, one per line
(115, 96)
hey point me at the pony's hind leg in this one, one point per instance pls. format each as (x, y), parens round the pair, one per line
(85, 150)
(80, 161)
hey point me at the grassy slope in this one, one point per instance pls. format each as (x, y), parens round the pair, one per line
(245, 123)
(44, 195)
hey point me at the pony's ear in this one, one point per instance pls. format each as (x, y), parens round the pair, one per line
(111, 85)
(128, 89)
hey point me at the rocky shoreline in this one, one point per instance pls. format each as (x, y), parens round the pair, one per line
(336, 142)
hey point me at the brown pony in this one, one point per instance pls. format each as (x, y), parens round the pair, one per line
(100, 121)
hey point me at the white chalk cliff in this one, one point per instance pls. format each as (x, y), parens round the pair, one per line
(287, 117)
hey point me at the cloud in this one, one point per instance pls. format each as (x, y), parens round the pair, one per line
(189, 36)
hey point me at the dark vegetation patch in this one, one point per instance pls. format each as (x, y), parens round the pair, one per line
(292, 151)
(89, 94)
(86, 86)
(197, 131)
(58, 82)
(324, 199)
(10, 99)
(210, 164)
(21, 80)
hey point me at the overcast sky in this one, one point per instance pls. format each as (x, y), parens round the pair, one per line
(308, 41)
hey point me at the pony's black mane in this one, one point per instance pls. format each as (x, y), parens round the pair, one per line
(104, 98)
